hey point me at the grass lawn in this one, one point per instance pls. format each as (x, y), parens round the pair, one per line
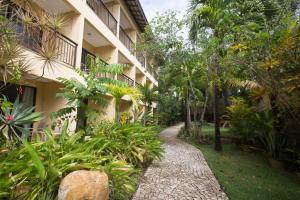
(247, 176)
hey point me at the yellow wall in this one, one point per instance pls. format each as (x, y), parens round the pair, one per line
(48, 85)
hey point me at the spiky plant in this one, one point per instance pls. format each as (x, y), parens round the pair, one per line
(40, 26)
(12, 61)
(13, 118)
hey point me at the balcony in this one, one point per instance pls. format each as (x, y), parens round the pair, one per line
(39, 41)
(88, 59)
(104, 14)
(126, 80)
(125, 39)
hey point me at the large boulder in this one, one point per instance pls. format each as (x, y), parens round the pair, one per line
(84, 185)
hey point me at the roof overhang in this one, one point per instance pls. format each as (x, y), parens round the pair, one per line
(138, 13)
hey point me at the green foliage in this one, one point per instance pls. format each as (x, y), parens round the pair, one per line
(149, 95)
(241, 117)
(169, 110)
(37, 168)
(92, 88)
(118, 92)
(13, 63)
(133, 143)
(250, 46)
(13, 117)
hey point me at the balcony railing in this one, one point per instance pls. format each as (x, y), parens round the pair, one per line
(104, 14)
(126, 79)
(87, 60)
(141, 58)
(35, 39)
(125, 39)
(137, 84)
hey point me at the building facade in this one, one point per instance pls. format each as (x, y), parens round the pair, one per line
(108, 29)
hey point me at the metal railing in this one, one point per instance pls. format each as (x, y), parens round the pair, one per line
(137, 84)
(125, 39)
(126, 79)
(104, 14)
(141, 58)
(87, 60)
(66, 49)
(41, 41)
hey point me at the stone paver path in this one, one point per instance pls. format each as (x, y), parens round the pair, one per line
(182, 174)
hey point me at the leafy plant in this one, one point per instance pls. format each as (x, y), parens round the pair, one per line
(12, 61)
(133, 143)
(242, 119)
(13, 118)
(34, 170)
(92, 89)
(149, 95)
(125, 118)
(118, 92)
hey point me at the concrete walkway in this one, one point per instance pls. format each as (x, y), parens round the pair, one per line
(182, 174)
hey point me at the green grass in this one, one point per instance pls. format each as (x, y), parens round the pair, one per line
(247, 176)
(210, 131)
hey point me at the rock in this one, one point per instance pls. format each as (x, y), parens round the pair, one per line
(84, 185)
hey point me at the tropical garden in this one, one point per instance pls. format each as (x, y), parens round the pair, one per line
(234, 82)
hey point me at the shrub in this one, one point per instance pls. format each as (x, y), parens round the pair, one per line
(242, 119)
(133, 143)
(169, 110)
(38, 167)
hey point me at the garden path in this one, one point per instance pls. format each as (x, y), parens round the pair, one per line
(182, 174)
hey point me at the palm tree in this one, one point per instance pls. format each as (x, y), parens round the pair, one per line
(118, 92)
(210, 15)
(149, 95)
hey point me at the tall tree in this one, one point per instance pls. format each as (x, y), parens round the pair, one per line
(212, 15)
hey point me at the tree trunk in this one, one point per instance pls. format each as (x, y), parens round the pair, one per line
(226, 96)
(82, 118)
(195, 112)
(218, 145)
(145, 115)
(117, 112)
(188, 114)
(277, 124)
(204, 110)
(184, 117)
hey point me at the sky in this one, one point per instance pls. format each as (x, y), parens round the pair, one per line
(151, 7)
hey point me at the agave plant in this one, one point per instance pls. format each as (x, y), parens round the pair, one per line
(13, 119)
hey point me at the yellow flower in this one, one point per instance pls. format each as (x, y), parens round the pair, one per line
(238, 47)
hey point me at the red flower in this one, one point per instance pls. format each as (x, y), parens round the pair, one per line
(9, 118)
